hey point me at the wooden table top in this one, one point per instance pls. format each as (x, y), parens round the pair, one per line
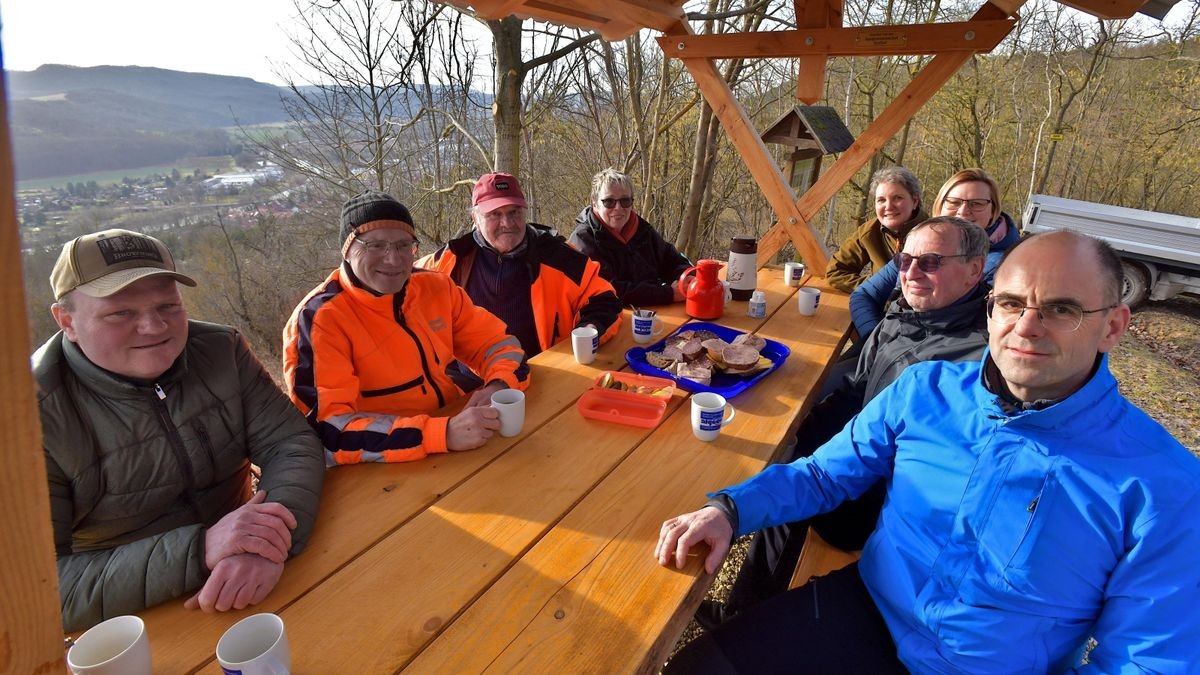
(532, 553)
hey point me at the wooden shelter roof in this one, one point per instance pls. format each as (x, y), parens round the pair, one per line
(618, 19)
(820, 34)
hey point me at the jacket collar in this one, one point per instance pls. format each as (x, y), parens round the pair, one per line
(1086, 403)
(900, 233)
(364, 296)
(106, 381)
(963, 313)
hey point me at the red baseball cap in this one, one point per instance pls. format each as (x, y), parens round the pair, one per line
(494, 190)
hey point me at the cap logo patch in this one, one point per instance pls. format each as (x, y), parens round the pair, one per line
(501, 185)
(125, 247)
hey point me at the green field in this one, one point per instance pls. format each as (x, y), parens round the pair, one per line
(186, 166)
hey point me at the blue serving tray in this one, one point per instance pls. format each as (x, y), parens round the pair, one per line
(723, 384)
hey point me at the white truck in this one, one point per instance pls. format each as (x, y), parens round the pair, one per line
(1160, 252)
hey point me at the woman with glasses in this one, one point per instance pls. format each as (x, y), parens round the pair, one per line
(970, 194)
(633, 257)
(897, 196)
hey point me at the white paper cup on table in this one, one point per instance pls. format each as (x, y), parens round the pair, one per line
(808, 299)
(118, 646)
(584, 342)
(646, 325)
(510, 403)
(708, 415)
(793, 272)
(256, 645)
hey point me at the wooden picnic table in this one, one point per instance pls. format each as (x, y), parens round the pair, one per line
(531, 553)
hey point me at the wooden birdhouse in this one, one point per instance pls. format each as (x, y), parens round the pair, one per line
(811, 131)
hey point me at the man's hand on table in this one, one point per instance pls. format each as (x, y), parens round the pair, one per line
(254, 527)
(238, 581)
(483, 395)
(681, 533)
(472, 427)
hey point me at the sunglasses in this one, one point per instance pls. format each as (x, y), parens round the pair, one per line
(625, 202)
(926, 262)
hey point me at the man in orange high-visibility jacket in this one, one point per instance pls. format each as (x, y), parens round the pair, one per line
(378, 345)
(525, 273)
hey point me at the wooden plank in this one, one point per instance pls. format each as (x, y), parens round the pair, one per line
(377, 612)
(30, 618)
(360, 505)
(589, 597)
(754, 153)
(968, 36)
(810, 83)
(906, 104)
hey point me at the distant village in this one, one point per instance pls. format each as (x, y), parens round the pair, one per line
(155, 203)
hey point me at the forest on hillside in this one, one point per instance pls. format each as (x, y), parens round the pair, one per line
(1067, 105)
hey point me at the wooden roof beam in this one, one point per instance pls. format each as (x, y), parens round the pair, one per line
(962, 36)
(810, 80)
(613, 19)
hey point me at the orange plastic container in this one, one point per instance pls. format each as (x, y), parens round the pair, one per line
(633, 405)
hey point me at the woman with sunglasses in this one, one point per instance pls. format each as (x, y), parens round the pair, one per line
(897, 196)
(643, 267)
(970, 194)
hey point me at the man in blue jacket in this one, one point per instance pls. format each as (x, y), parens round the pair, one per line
(1031, 510)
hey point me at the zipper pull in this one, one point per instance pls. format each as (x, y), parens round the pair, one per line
(1033, 504)
(158, 391)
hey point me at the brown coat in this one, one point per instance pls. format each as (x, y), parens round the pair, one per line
(871, 244)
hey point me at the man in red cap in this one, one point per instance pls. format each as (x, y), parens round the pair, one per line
(525, 273)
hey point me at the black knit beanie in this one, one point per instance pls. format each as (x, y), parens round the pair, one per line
(369, 206)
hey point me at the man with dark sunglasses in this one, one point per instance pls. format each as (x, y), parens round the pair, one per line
(940, 315)
(1035, 520)
(633, 256)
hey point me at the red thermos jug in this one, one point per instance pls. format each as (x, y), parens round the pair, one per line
(703, 290)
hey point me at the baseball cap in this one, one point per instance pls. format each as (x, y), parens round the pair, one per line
(494, 190)
(102, 263)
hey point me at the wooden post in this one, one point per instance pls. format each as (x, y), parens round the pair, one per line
(31, 636)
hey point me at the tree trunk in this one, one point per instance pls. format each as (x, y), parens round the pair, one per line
(506, 108)
(687, 240)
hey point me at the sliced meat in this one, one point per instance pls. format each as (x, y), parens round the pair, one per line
(750, 340)
(703, 334)
(659, 360)
(673, 353)
(739, 356)
(703, 362)
(692, 349)
(695, 374)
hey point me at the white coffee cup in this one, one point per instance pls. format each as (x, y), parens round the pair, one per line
(808, 298)
(728, 292)
(708, 415)
(256, 645)
(510, 403)
(646, 325)
(118, 646)
(584, 342)
(793, 272)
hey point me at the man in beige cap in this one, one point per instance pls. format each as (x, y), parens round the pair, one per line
(150, 423)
